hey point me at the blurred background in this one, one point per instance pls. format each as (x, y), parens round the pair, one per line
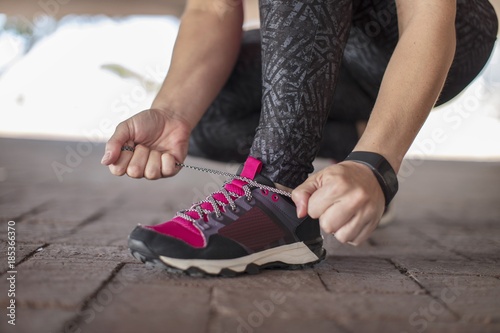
(73, 69)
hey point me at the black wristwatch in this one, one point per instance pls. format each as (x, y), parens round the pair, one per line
(381, 168)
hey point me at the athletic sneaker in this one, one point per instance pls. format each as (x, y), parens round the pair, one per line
(246, 226)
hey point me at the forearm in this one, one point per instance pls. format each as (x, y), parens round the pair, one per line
(411, 85)
(204, 55)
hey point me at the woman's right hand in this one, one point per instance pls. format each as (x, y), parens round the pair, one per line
(160, 138)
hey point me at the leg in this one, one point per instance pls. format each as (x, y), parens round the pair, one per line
(372, 39)
(302, 46)
(226, 130)
(374, 35)
(476, 28)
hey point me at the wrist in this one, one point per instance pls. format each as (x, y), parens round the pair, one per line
(381, 168)
(173, 113)
(392, 153)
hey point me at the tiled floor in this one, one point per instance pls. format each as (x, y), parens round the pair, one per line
(435, 269)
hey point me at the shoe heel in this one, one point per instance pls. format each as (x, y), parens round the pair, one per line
(316, 246)
(309, 233)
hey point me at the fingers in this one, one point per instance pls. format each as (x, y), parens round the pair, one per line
(335, 190)
(335, 217)
(144, 162)
(168, 166)
(153, 166)
(350, 230)
(119, 167)
(365, 233)
(115, 143)
(345, 199)
(301, 195)
(137, 164)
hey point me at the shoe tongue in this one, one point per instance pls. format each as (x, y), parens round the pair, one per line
(251, 167)
(251, 170)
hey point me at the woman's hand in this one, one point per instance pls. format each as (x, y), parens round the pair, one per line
(161, 139)
(346, 198)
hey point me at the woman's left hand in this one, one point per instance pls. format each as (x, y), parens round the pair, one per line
(347, 199)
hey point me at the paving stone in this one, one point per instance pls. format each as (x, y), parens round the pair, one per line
(235, 308)
(75, 204)
(63, 276)
(77, 252)
(446, 226)
(364, 275)
(445, 194)
(22, 250)
(114, 226)
(257, 322)
(474, 298)
(150, 308)
(486, 267)
(29, 320)
(62, 210)
(393, 239)
(419, 326)
(111, 229)
(24, 199)
(58, 282)
(306, 279)
(437, 230)
(42, 231)
(478, 239)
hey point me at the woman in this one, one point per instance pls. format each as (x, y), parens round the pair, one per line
(322, 77)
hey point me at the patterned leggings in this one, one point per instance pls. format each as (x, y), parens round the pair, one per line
(312, 71)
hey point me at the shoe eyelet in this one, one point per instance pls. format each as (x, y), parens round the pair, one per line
(275, 197)
(264, 192)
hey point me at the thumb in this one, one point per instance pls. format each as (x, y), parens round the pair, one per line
(302, 193)
(115, 143)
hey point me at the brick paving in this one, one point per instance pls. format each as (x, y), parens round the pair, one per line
(435, 269)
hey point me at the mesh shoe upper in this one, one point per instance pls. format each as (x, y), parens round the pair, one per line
(187, 224)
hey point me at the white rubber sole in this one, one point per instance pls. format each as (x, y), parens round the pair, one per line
(293, 254)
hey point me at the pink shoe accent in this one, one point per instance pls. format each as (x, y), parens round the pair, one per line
(181, 229)
(252, 166)
(185, 230)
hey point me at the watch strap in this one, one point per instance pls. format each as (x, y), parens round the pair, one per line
(382, 169)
